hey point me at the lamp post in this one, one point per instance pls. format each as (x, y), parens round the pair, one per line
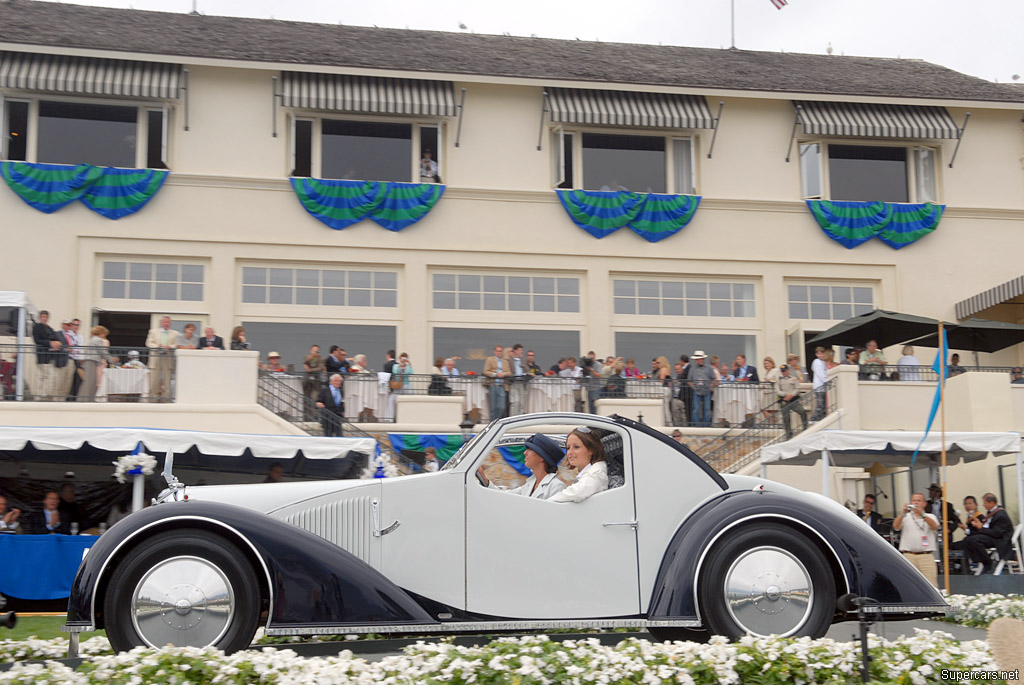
(466, 427)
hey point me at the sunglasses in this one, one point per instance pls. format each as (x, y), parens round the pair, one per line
(583, 429)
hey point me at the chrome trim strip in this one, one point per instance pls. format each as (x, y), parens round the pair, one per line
(186, 517)
(467, 626)
(704, 552)
(907, 609)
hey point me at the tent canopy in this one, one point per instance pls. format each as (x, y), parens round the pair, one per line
(157, 441)
(890, 448)
(17, 298)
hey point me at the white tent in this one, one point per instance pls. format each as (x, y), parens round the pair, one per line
(18, 300)
(16, 438)
(892, 448)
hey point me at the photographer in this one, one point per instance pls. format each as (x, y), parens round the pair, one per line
(917, 536)
(591, 374)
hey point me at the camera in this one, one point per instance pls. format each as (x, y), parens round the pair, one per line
(586, 362)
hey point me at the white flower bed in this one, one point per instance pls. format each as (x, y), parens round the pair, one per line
(919, 659)
(980, 610)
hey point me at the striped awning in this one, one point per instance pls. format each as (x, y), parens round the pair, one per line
(990, 298)
(89, 75)
(368, 94)
(876, 121)
(632, 109)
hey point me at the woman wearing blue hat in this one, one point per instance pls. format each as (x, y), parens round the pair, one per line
(541, 456)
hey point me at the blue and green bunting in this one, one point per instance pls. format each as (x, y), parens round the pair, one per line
(514, 456)
(897, 225)
(340, 204)
(651, 216)
(445, 444)
(109, 191)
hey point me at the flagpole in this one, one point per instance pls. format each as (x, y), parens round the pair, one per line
(732, 23)
(942, 410)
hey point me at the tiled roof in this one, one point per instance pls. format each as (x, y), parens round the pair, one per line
(61, 25)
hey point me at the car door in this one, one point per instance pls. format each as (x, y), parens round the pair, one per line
(528, 558)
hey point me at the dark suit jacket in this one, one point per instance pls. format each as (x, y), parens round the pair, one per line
(42, 334)
(215, 341)
(875, 519)
(951, 515)
(751, 374)
(332, 365)
(1000, 531)
(327, 399)
(37, 525)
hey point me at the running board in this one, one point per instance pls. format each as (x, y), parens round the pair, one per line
(478, 626)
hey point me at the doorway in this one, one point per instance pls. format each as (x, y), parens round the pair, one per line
(127, 329)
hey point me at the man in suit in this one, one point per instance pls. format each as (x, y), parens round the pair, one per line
(934, 506)
(496, 369)
(331, 406)
(163, 341)
(868, 514)
(742, 371)
(48, 520)
(994, 530)
(69, 380)
(210, 340)
(47, 345)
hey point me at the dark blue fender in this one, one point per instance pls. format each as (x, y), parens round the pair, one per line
(311, 582)
(869, 564)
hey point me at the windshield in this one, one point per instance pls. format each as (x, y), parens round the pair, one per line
(463, 451)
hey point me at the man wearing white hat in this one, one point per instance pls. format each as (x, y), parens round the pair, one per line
(701, 378)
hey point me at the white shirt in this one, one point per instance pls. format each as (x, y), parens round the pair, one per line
(820, 371)
(430, 466)
(549, 485)
(909, 374)
(590, 481)
(913, 532)
(76, 346)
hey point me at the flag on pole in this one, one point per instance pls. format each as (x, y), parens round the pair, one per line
(939, 366)
(779, 4)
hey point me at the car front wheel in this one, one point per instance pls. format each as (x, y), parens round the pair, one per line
(766, 580)
(183, 588)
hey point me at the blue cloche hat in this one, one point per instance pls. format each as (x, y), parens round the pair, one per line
(547, 448)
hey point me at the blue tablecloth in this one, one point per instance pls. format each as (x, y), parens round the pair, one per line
(40, 566)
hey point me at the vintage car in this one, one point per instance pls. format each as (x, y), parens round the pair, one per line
(672, 546)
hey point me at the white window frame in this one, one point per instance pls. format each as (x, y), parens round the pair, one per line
(812, 323)
(142, 109)
(249, 310)
(914, 152)
(136, 304)
(742, 322)
(558, 132)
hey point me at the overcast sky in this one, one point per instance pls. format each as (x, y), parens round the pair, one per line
(977, 37)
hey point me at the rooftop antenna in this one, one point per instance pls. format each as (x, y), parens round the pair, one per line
(462, 27)
(195, 10)
(829, 48)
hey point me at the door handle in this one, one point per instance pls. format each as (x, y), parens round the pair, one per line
(632, 524)
(377, 532)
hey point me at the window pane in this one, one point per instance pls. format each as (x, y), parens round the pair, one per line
(671, 289)
(155, 139)
(621, 162)
(280, 295)
(281, 276)
(743, 308)
(359, 298)
(810, 170)
(696, 308)
(568, 303)
(820, 311)
(672, 307)
(333, 279)
(254, 294)
(307, 277)
(798, 293)
(332, 297)
(518, 303)
(363, 150)
(253, 276)
(494, 284)
(859, 309)
(842, 311)
(819, 293)
(743, 291)
(625, 305)
(624, 288)
(359, 279)
(191, 273)
(303, 162)
(648, 288)
(682, 160)
(494, 301)
(167, 272)
(191, 292)
(647, 306)
(863, 295)
(925, 169)
(720, 291)
(444, 281)
(444, 300)
(307, 296)
(385, 279)
(140, 272)
(385, 298)
(568, 286)
(868, 173)
(166, 291)
(140, 290)
(799, 310)
(720, 308)
(73, 133)
(113, 289)
(469, 300)
(518, 284)
(545, 286)
(16, 135)
(543, 303)
(114, 269)
(696, 290)
(470, 283)
(841, 294)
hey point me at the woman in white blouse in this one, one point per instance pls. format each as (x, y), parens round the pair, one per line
(585, 453)
(541, 456)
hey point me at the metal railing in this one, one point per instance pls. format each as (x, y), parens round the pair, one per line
(86, 374)
(779, 421)
(897, 372)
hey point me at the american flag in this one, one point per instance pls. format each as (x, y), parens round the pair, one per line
(779, 4)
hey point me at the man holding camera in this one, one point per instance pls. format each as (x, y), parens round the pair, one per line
(917, 537)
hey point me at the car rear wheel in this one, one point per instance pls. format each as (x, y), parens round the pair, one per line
(766, 580)
(183, 588)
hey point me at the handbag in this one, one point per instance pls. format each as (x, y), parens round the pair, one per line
(395, 383)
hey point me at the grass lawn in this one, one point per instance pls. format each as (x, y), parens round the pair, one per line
(42, 627)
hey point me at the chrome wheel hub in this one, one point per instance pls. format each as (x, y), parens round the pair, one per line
(768, 591)
(183, 601)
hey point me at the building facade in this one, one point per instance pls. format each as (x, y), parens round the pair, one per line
(258, 123)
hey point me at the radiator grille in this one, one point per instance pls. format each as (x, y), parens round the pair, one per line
(346, 523)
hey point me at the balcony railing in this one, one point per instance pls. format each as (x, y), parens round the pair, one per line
(86, 374)
(897, 372)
